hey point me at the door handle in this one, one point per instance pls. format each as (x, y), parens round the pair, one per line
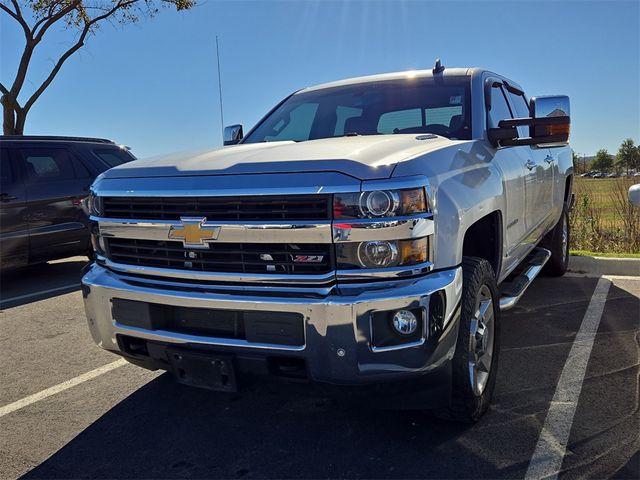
(5, 197)
(530, 165)
(549, 159)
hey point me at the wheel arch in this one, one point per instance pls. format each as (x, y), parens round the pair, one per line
(483, 239)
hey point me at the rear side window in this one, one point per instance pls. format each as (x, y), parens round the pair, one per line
(112, 156)
(450, 117)
(499, 107)
(395, 122)
(343, 114)
(47, 164)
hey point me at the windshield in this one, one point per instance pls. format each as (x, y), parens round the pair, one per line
(374, 108)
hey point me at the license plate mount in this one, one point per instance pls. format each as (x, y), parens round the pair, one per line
(213, 372)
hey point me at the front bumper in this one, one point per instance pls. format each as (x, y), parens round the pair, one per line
(337, 324)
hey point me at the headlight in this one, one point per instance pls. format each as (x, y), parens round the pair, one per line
(382, 254)
(94, 204)
(380, 203)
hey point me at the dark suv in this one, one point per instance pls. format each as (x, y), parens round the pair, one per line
(43, 182)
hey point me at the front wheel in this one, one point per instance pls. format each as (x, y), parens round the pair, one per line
(476, 358)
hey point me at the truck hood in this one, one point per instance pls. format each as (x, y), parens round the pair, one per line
(362, 157)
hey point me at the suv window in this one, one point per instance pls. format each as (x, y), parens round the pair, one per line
(499, 107)
(46, 164)
(112, 156)
(521, 110)
(6, 171)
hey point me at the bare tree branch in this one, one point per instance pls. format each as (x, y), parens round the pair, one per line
(17, 16)
(73, 49)
(3, 89)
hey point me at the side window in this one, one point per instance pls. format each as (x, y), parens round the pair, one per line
(299, 125)
(521, 110)
(499, 107)
(79, 168)
(395, 122)
(6, 170)
(48, 164)
(112, 156)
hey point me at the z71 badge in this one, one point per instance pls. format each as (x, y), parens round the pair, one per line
(308, 258)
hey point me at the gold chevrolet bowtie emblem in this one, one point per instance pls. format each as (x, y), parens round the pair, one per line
(193, 232)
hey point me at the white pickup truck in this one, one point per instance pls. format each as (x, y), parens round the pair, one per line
(366, 232)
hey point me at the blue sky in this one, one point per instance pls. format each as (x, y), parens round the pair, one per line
(153, 85)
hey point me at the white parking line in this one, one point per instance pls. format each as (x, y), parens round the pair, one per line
(37, 294)
(61, 387)
(546, 461)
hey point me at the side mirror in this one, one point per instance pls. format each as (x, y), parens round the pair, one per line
(552, 121)
(549, 124)
(634, 195)
(232, 134)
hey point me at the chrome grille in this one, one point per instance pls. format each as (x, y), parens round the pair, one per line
(266, 258)
(250, 208)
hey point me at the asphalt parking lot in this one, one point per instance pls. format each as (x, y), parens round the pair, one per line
(67, 409)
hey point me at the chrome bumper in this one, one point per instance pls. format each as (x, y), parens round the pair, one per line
(337, 324)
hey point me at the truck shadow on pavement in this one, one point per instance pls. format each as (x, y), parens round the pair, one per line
(167, 430)
(38, 282)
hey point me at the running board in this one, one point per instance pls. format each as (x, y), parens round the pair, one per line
(512, 291)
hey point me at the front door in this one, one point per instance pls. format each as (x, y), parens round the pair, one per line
(516, 185)
(538, 164)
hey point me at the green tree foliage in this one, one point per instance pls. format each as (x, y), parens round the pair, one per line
(603, 161)
(80, 19)
(628, 156)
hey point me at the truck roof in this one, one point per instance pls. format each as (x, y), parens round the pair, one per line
(425, 73)
(447, 72)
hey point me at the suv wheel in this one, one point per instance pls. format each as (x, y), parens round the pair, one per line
(476, 358)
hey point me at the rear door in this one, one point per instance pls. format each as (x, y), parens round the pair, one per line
(14, 229)
(56, 183)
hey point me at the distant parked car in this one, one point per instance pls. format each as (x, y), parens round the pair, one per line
(43, 183)
(598, 175)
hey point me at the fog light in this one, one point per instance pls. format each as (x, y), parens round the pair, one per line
(405, 322)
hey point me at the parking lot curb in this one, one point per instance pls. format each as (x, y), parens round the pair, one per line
(605, 266)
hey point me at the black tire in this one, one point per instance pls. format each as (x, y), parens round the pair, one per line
(467, 404)
(558, 263)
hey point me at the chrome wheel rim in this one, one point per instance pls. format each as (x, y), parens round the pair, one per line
(481, 340)
(565, 238)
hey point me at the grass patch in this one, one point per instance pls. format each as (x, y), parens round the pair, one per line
(603, 220)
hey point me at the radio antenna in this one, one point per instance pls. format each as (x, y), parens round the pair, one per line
(219, 84)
